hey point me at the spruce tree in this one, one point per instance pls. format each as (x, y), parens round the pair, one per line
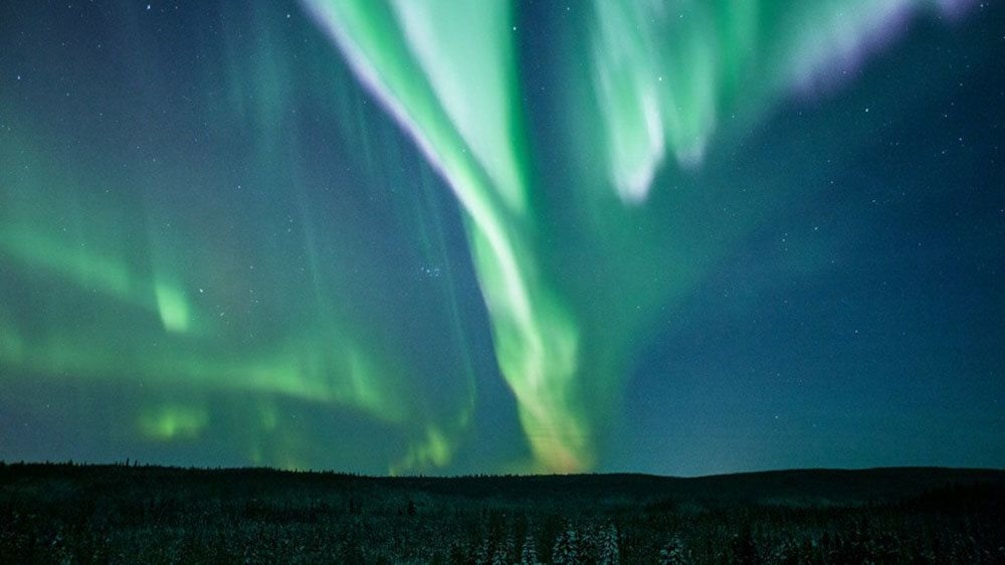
(528, 556)
(608, 553)
(674, 553)
(566, 550)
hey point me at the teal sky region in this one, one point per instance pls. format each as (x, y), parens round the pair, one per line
(436, 237)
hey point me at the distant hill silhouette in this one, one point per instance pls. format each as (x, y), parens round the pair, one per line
(88, 513)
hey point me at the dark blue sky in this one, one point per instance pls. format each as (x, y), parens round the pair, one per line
(514, 237)
(864, 323)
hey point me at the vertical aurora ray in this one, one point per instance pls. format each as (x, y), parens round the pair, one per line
(421, 58)
(664, 77)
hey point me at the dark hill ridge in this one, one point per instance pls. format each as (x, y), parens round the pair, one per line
(811, 487)
(66, 513)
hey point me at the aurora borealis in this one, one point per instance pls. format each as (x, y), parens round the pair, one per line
(439, 237)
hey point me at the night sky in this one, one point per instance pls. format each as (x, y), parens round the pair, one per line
(440, 237)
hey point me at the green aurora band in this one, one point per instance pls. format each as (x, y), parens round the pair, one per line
(662, 77)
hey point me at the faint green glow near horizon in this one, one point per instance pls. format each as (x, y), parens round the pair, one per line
(167, 423)
(104, 285)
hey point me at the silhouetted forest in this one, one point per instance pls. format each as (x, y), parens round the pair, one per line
(65, 513)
